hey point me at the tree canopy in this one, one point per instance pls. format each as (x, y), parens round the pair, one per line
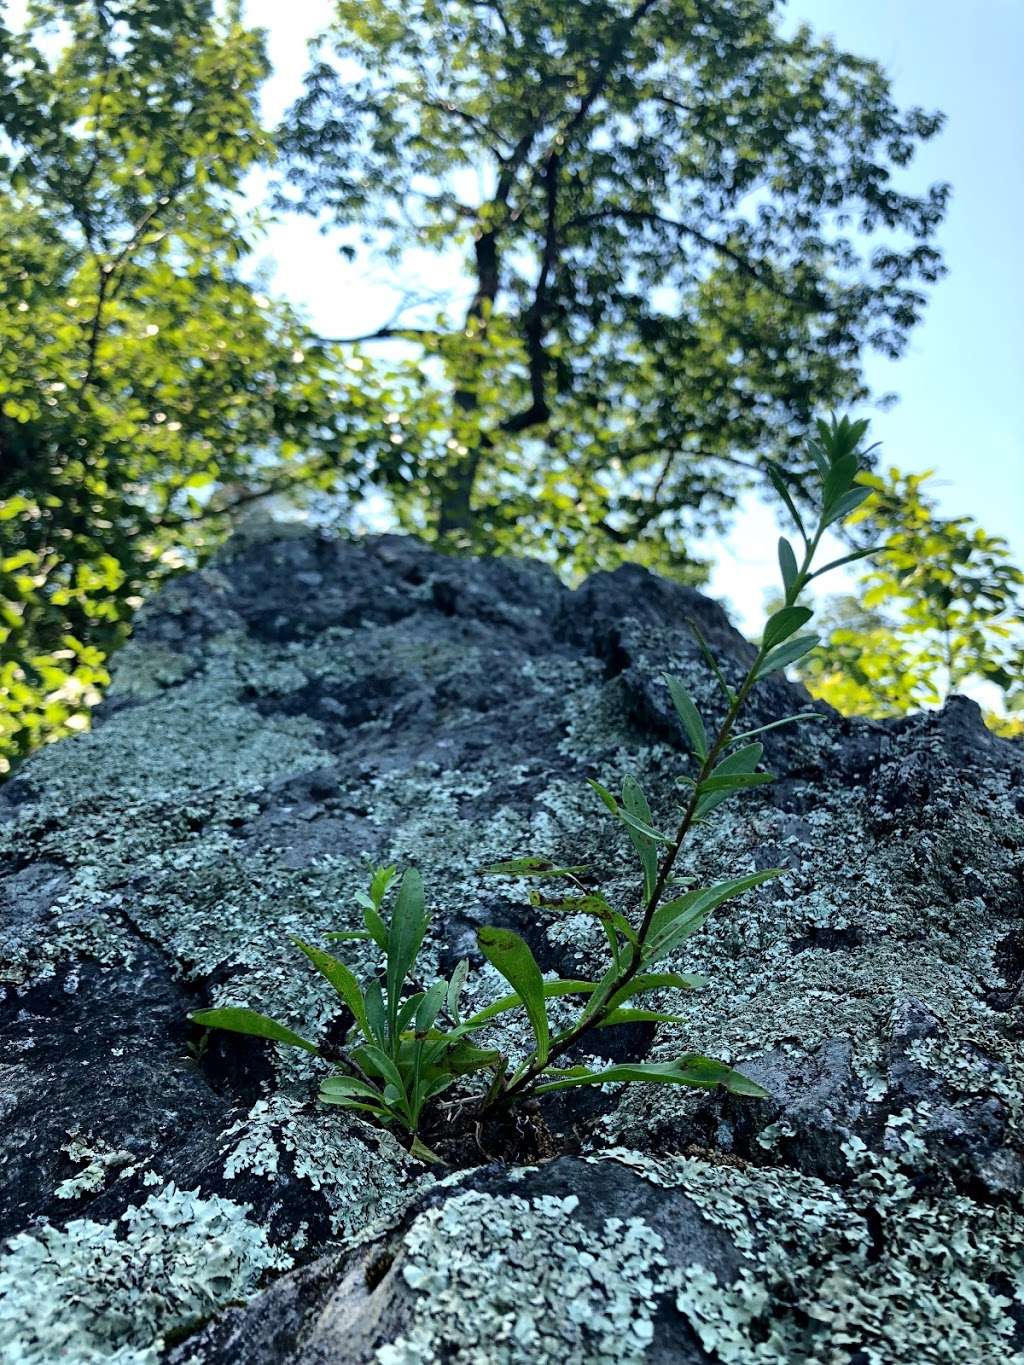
(940, 606)
(681, 228)
(146, 386)
(682, 225)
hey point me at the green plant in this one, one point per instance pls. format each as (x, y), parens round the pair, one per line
(408, 1044)
(941, 606)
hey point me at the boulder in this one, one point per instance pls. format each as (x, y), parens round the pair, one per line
(305, 705)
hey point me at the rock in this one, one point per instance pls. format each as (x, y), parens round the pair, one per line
(304, 704)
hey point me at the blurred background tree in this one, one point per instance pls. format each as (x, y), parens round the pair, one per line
(681, 231)
(940, 607)
(139, 371)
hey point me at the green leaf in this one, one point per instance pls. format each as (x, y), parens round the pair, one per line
(605, 796)
(702, 1073)
(743, 760)
(784, 494)
(677, 920)
(782, 625)
(342, 980)
(406, 1010)
(656, 981)
(376, 928)
(237, 1019)
(689, 715)
(408, 925)
(775, 724)
(375, 1059)
(600, 994)
(639, 826)
(644, 837)
(348, 1085)
(425, 1051)
(725, 782)
(510, 1002)
(427, 1089)
(338, 935)
(838, 480)
(847, 559)
(788, 565)
(783, 655)
(380, 1112)
(379, 883)
(820, 456)
(593, 903)
(848, 503)
(376, 1014)
(531, 867)
(455, 986)
(677, 914)
(511, 956)
(710, 660)
(422, 1152)
(464, 1058)
(639, 1016)
(430, 1006)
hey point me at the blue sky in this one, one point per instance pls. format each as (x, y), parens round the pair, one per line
(961, 384)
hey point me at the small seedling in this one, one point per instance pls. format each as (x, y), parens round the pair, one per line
(407, 1044)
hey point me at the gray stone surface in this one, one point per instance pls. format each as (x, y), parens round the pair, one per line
(304, 704)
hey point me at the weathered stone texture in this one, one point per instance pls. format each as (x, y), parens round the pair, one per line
(305, 704)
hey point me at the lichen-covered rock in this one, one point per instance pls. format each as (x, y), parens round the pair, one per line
(620, 1257)
(97, 1292)
(306, 704)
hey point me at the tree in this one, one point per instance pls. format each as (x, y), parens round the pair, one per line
(142, 378)
(682, 229)
(941, 606)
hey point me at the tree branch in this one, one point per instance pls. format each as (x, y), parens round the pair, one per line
(534, 322)
(383, 334)
(482, 129)
(281, 484)
(613, 51)
(761, 271)
(108, 277)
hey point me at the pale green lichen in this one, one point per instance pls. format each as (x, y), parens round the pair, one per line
(873, 1270)
(100, 1161)
(913, 943)
(143, 670)
(487, 1272)
(362, 1172)
(231, 747)
(111, 1292)
(827, 1272)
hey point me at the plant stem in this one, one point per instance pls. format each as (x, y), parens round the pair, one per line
(594, 1018)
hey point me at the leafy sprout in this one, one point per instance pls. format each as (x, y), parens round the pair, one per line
(408, 1044)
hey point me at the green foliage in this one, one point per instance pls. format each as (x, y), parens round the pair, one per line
(147, 388)
(664, 282)
(237, 1019)
(940, 606)
(408, 1044)
(663, 211)
(396, 1058)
